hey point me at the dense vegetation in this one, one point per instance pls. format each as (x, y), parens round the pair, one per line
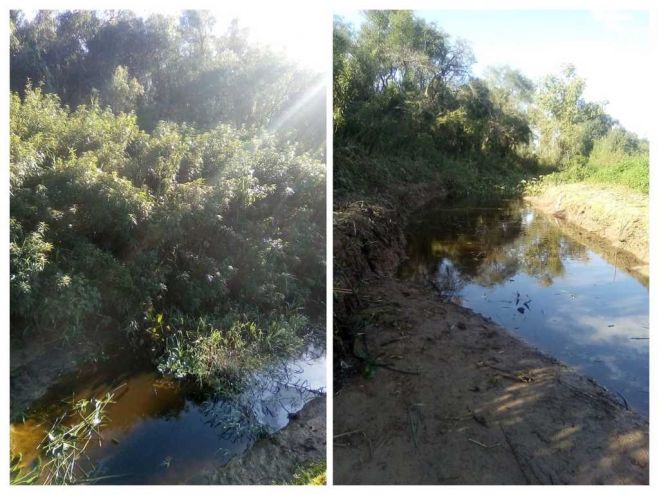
(167, 68)
(408, 108)
(162, 187)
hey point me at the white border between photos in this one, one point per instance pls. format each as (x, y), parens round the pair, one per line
(328, 6)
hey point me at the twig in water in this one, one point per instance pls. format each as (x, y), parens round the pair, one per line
(623, 400)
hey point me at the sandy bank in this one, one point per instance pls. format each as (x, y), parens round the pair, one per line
(462, 401)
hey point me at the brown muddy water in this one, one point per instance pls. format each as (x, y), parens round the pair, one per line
(517, 266)
(160, 431)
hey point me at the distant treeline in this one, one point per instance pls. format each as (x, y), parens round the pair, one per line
(406, 103)
(174, 68)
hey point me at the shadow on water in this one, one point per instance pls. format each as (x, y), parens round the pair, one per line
(518, 267)
(160, 431)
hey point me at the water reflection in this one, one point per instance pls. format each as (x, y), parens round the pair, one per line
(518, 267)
(162, 432)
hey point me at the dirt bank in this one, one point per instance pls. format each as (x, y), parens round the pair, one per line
(368, 240)
(275, 459)
(39, 362)
(461, 401)
(618, 217)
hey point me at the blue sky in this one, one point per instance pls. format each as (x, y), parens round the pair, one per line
(610, 49)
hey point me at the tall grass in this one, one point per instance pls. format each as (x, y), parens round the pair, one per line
(627, 170)
(63, 459)
(65, 445)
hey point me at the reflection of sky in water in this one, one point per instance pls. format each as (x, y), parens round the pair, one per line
(158, 433)
(590, 315)
(174, 445)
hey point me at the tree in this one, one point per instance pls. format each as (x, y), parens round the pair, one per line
(174, 68)
(566, 123)
(123, 92)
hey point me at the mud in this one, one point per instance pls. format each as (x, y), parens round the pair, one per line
(274, 460)
(455, 399)
(39, 362)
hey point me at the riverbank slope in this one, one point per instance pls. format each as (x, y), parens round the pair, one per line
(617, 216)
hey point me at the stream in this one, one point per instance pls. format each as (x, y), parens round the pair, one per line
(518, 267)
(160, 431)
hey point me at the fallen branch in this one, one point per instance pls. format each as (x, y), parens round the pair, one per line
(347, 433)
(391, 368)
(482, 444)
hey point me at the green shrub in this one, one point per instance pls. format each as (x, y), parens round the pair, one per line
(223, 351)
(109, 222)
(619, 158)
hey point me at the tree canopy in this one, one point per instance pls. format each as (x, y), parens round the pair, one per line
(178, 69)
(404, 91)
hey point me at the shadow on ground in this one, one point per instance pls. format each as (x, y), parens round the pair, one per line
(453, 398)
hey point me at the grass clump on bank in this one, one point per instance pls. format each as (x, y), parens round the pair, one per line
(619, 158)
(628, 170)
(314, 473)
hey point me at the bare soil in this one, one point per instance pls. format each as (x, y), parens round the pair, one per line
(455, 399)
(275, 459)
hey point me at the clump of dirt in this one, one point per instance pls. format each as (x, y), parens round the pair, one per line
(368, 241)
(620, 217)
(274, 460)
(451, 398)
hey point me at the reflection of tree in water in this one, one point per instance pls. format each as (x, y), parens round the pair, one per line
(466, 236)
(489, 246)
(447, 280)
(264, 406)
